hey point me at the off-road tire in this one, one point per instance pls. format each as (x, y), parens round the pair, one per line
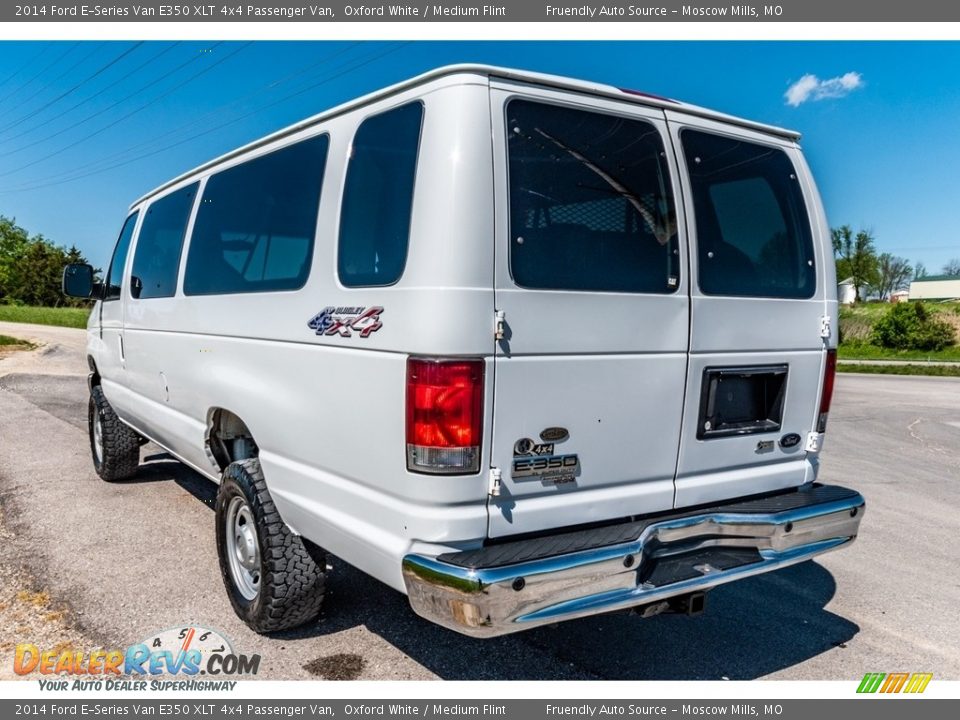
(292, 578)
(120, 455)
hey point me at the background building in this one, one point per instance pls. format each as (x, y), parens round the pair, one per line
(936, 287)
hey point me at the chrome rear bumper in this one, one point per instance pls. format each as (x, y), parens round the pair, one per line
(479, 594)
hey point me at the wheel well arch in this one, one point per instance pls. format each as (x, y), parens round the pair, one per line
(93, 378)
(228, 438)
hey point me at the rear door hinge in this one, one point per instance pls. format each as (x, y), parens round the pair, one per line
(500, 322)
(495, 477)
(825, 326)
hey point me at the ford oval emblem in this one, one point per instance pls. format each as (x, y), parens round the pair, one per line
(554, 434)
(789, 440)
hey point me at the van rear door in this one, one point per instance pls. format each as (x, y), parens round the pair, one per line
(758, 295)
(591, 281)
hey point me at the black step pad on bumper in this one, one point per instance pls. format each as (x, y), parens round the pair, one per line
(517, 551)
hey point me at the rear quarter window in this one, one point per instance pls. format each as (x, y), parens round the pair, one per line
(752, 230)
(378, 198)
(591, 205)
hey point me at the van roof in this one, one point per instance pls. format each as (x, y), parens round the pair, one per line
(491, 71)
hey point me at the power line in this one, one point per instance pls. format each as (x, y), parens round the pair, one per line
(111, 106)
(214, 112)
(65, 73)
(69, 110)
(108, 108)
(74, 87)
(43, 51)
(217, 111)
(210, 130)
(129, 114)
(20, 87)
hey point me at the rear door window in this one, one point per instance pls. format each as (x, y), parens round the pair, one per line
(753, 234)
(156, 261)
(591, 204)
(378, 198)
(256, 223)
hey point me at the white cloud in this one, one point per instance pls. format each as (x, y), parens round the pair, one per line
(810, 87)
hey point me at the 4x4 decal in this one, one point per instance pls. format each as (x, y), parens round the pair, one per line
(344, 321)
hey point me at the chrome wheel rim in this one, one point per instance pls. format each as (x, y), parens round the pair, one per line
(243, 548)
(98, 436)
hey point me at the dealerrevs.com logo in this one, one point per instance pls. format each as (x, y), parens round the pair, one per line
(188, 651)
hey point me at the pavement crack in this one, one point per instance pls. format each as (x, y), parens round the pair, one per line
(910, 428)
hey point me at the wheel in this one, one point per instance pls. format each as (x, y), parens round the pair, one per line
(273, 581)
(115, 447)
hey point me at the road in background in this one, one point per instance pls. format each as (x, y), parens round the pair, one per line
(128, 559)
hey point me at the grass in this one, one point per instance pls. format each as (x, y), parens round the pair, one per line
(63, 316)
(14, 343)
(858, 351)
(904, 369)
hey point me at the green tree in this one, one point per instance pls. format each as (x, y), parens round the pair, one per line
(952, 268)
(13, 241)
(31, 268)
(856, 257)
(893, 273)
(919, 271)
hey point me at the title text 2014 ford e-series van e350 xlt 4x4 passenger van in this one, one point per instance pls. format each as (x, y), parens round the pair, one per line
(522, 347)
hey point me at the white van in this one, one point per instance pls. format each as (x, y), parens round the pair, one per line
(522, 347)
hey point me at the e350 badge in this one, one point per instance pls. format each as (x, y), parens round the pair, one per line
(345, 321)
(538, 461)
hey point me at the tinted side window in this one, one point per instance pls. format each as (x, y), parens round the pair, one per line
(591, 205)
(157, 259)
(119, 259)
(256, 223)
(753, 234)
(378, 198)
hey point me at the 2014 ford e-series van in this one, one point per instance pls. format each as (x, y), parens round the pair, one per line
(522, 347)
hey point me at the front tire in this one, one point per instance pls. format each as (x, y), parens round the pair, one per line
(114, 446)
(272, 581)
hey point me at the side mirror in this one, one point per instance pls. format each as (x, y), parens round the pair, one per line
(78, 280)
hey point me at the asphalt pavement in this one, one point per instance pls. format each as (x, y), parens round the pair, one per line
(128, 559)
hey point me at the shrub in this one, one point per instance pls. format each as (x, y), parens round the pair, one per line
(910, 326)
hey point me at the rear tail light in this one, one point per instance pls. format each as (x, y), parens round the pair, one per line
(444, 415)
(826, 394)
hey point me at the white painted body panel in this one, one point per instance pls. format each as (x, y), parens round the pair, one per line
(328, 413)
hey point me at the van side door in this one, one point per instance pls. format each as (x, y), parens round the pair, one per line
(111, 360)
(152, 308)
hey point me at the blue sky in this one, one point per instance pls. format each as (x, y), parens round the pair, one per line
(85, 128)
